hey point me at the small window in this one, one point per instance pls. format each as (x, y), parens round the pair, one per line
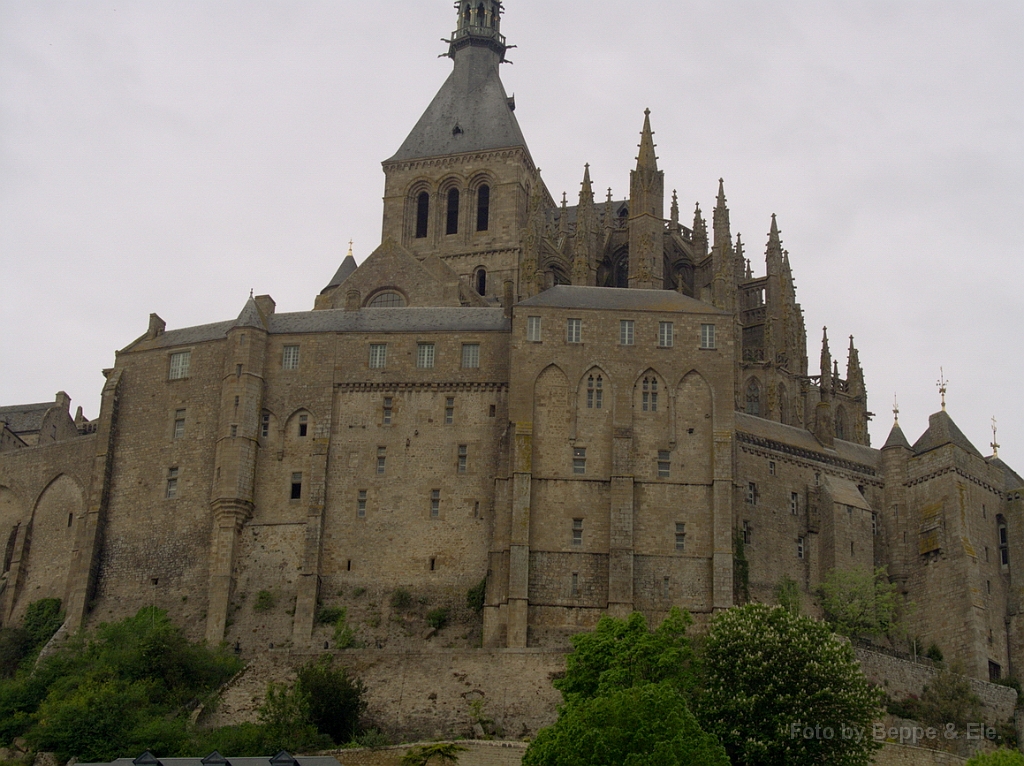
(387, 300)
(595, 392)
(680, 536)
(422, 214)
(995, 672)
(470, 356)
(296, 492)
(449, 410)
(481, 281)
(794, 503)
(483, 207)
(800, 547)
(666, 587)
(388, 409)
(874, 523)
(1004, 541)
(179, 423)
(172, 484)
(707, 336)
(425, 355)
(751, 493)
(303, 425)
(361, 504)
(180, 363)
(533, 329)
(378, 355)
(579, 460)
(290, 358)
(265, 425)
(626, 327)
(748, 533)
(492, 411)
(576, 575)
(649, 401)
(452, 226)
(666, 334)
(463, 457)
(753, 398)
(577, 532)
(234, 431)
(435, 503)
(574, 330)
(771, 467)
(382, 455)
(664, 464)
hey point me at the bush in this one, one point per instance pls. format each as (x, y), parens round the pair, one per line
(998, 758)
(335, 700)
(265, 601)
(15, 645)
(401, 599)
(859, 602)
(934, 653)
(43, 618)
(328, 615)
(344, 636)
(475, 596)
(437, 618)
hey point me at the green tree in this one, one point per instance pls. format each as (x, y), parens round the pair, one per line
(1000, 757)
(444, 752)
(950, 698)
(625, 700)
(780, 688)
(859, 602)
(334, 700)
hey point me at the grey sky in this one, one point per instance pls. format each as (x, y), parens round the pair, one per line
(167, 157)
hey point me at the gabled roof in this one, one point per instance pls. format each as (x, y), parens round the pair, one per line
(24, 418)
(802, 439)
(941, 431)
(618, 298)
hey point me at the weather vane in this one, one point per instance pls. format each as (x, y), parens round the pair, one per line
(943, 384)
(994, 445)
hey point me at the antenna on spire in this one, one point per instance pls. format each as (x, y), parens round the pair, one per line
(943, 385)
(994, 445)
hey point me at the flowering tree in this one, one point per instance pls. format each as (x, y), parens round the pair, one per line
(780, 688)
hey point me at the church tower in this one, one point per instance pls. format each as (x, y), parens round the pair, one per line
(460, 185)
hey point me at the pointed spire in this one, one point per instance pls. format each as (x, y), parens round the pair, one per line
(826, 365)
(854, 372)
(647, 160)
(587, 188)
(723, 235)
(609, 212)
(700, 234)
(563, 218)
(674, 212)
(250, 315)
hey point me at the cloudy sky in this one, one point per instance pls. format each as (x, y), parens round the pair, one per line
(167, 157)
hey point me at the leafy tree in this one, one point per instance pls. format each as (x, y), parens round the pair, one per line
(788, 595)
(770, 677)
(625, 690)
(334, 700)
(15, 644)
(1000, 757)
(444, 752)
(859, 602)
(43, 618)
(950, 699)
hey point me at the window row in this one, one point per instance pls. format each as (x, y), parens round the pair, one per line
(388, 410)
(627, 332)
(663, 464)
(679, 539)
(425, 356)
(433, 504)
(453, 203)
(461, 459)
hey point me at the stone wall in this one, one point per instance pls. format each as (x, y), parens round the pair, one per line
(906, 755)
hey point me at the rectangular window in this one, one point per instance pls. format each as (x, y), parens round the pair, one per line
(579, 460)
(449, 410)
(290, 358)
(666, 334)
(747, 532)
(874, 523)
(533, 329)
(382, 456)
(574, 331)
(265, 425)
(577, 532)
(296, 486)
(180, 362)
(771, 467)
(470, 356)
(172, 484)
(435, 503)
(752, 493)
(680, 536)
(626, 332)
(800, 547)
(650, 395)
(378, 355)
(576, 583)
(707, 336)
(425, 355)
(664, 464)
(388, 402)
(794, 503)
(234, 431)
(361, 504)
(179, 423)
(303, 425)
(463, 457)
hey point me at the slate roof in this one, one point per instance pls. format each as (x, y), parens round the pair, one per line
(407, 319)
(344, 271)
(896, 438)
(1013, 479)
(623, 299)
(845, 492)
(250, 316)
(470, 113)
(24, 418)
(804, 439)
(941, 431)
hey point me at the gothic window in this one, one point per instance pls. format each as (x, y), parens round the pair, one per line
(303, 425)
(483, 207)
(595, 392)
(649, 394)
(386, 300)
(481, 281)
(422, 214)
(622, 270)
(840, 423)
(753, 398)
(453, 212)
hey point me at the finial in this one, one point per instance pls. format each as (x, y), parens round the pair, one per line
(350, 247)
(895, 410)
(251, 291)
(994, 445)
(609, 194)
(943, 385)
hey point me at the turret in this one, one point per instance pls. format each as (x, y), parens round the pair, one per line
(479, 26)
(646, 210)
(700, 235)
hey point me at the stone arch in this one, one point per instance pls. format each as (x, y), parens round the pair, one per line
(752, 397)
(551, 415)
(480, 190)
(650, 394)
(12, 515)
(419, 200)
(387, 296)
(594, 380)
(694, 410)
(294, 430)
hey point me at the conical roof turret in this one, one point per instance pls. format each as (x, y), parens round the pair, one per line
(250, 315)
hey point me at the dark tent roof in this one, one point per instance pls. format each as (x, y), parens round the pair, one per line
(941, 431)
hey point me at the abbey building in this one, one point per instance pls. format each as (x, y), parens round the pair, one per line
(596, 408)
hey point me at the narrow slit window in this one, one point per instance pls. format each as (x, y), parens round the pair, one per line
(422, 214)
(361, 504)
(382, 456)
(435, 503)
(577, 532)
(179, 423)
(680, 536)
(579, 460)
(463, 457)
(388, 410)
(794, 503)
(483, 208)
(265, 425)
(303, 425)
(800, 548)
(453, 212)
(171, 490)
(664, 464)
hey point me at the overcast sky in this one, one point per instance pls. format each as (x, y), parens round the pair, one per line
(168, 156)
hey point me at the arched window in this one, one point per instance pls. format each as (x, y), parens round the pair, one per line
(387, 300)
(480, 15)
(422, 214)
(481, 281)
(753, 398)
(483, 207)
(453, 212)
(595, 392)
(622, 270)
(649, 400)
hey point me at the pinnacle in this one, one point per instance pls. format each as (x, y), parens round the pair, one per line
(647, 158)
(721, 193)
